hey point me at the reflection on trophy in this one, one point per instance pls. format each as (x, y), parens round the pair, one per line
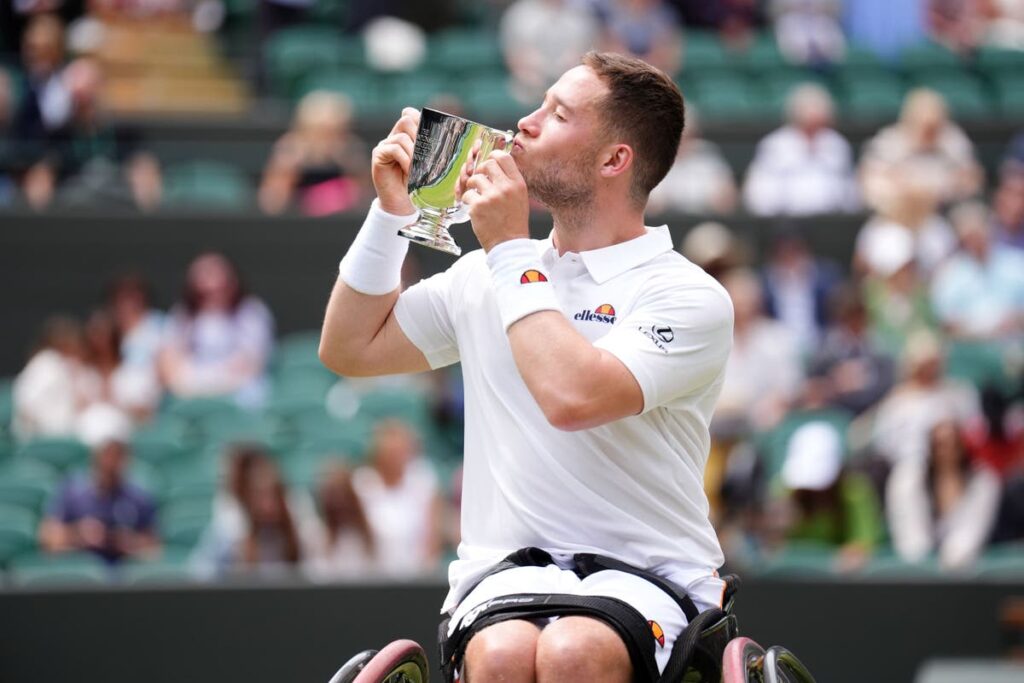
(443, 144)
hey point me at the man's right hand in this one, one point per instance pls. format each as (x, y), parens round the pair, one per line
(392, 159)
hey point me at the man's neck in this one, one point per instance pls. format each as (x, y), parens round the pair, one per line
(594, 227)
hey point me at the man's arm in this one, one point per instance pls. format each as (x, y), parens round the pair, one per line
(360, 335)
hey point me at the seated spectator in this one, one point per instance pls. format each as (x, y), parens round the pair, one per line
(805, 167)
(809, 31)
(885, 28)
(1004, 24)
(541, 39)
(271, 544)
(220, 547)
(91, 160)
(399, 491)
(998, 440)
(797, 287)
(139, 325)
(648, 29)
(915, 211)
(1008, 210)
(979, 293)
(348, 549)
(700, 180)
(920, 400)
(218, 338)
(923, 148)
(764, 371)
(831, 504)
(960, 26)
(714, 248)
(56, 385)
(318, 166)
(943, 503)
(46, 106)
(855, 372)
(134, 391)
(102, 512)
(895, 294)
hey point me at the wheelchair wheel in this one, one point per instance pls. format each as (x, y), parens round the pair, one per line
(743, 662)
(402, 661)
(782, 666)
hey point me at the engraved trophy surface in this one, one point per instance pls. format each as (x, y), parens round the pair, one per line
(443, 144)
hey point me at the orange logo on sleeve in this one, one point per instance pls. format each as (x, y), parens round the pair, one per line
(659, 635)
(532, 276)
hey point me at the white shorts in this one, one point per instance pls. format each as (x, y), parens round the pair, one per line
(657, 607)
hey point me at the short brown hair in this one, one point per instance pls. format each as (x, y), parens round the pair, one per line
(644, 108)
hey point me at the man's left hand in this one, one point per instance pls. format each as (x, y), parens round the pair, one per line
(499, 207)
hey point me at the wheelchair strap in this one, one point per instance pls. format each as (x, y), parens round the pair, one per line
(587, 564)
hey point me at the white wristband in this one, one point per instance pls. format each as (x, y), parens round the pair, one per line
(521, 286)
(373, 264)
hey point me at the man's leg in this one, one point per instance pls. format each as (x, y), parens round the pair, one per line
(582, 649)
(503, 652)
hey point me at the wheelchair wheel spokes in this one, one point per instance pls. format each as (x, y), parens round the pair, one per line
(402, 661)
(743, 662)
(782, 666)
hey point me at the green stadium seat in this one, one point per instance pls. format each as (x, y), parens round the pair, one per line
(60, 454)
(293, 53)
(190, 492)
(762, 57)
(728, 97)
(182, 533)
(892, 567)
(18, 533)
(862, 61)
(413, 89)
(867, 95)
(703, 53)
(994, 62)
(27, 484)
(777, 85)
(159, 572)
(305, 468)
(1002, 563)
(1009, 93)
(299, 349)
(181, 511)
(161, 442)
(207, 185)
(799, 560)
(409, 406)
(928, 55)
(58, 570)
(201, 470)
(296, 382)
(362, 87)
(977, 362)
(457, 50)
(6, 408)
(488, 98)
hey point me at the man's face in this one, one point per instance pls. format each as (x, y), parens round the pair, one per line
(557, 145)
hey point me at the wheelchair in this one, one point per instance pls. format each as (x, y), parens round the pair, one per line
(737, 659)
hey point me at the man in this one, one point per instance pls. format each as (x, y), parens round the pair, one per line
(103, 513)
(592, 361)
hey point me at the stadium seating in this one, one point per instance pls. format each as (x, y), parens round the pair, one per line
(61, 570)
(206, 185)
(59, 453)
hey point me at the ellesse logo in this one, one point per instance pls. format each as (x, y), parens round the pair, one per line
(532, 276)
(605, 313)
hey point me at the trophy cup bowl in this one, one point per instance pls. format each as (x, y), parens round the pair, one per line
(443, 144)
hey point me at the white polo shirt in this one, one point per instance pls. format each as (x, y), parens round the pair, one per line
(631, 489)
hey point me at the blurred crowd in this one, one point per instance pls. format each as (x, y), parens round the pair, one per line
(871, 409)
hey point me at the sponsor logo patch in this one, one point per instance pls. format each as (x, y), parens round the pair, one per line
(660, 335)
(659, 634)
(532, 276)
(605, 313)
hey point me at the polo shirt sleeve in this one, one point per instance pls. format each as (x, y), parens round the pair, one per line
(424, 312)
(675, 340)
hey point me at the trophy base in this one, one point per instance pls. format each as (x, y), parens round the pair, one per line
(431, 234)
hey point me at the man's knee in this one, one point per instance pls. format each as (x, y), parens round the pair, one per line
(503, 652)
(583, 649)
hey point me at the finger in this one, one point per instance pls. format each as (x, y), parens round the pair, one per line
(479, 182)
(408, 123)
(491, 170)
(507, 164)
(403, 139)
(393, 152)
(470, 196)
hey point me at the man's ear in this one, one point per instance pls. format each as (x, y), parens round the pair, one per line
(617, 160)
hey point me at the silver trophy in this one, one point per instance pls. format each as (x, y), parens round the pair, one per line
(443, 144)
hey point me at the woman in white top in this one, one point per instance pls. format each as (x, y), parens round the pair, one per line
(347, 548)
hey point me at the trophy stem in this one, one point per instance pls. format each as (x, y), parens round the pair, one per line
(429, 230)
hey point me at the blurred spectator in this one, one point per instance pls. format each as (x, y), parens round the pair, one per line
(912, 211)
(922, 399)
(541, 39)
(399, 492)
(132, 389)
(923, 148)
(91, 160)
(832, 505)
(648, 29)
(857, 375)
(895, 295)
(885, 27)
(7, 187)
(998, 440)
(102, 512)
(734, 20)
(46, 106)
(805, 167)
(700, 180)
(764, 371)
(271, 544)
(943, 503)
(1013, 162)
(139, 325)
(1008, 210)
(714, 248)
(979, 292)
(957, 24)
(347, 549)
(218, 338)
(808, 31)
(1004, 23)
(56, 385)
(797, 287)
(318, 166)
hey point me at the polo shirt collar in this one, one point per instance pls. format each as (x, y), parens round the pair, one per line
(605, 263)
